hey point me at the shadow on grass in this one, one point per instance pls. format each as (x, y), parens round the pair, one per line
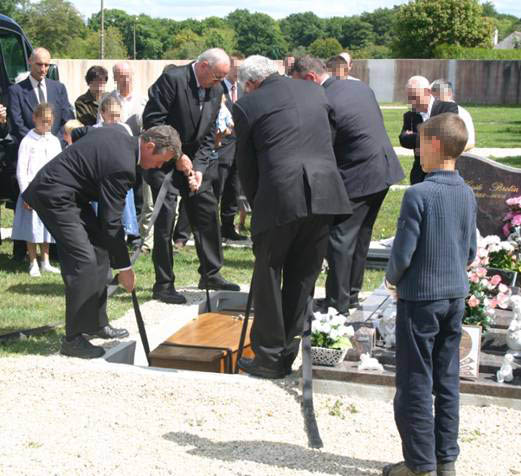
(42, 289)
(291, 456)
(46, 344)
(9, 265)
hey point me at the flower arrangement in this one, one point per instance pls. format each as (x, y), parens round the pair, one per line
(494, 253)
(513, 218)
(485, 294)
(329, 330)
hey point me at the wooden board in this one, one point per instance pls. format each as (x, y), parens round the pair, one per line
(209, 343)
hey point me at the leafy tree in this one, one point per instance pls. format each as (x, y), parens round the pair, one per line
(421, 25)
(356, 33)
(220, 38)
(9, 7)
(382, 21)
(333, 28)
(88, 47)
(186, 45)
(373, 52)
(52, 24)
(302, 29)
(257, 33)
(325, 47)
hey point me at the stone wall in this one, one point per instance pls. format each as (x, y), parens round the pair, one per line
(475, 81)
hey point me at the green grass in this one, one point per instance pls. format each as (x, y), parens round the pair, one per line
(28, 302)
(496, 126)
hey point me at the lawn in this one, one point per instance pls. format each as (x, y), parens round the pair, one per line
(496, 126)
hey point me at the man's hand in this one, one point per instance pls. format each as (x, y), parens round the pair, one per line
(408, 133)
(391, 289)
(184, 164)
(27, 206)
(3, 114)
(194, 181)
(127, 279)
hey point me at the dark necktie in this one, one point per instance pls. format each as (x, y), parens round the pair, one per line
(41, 96)
(202, 94)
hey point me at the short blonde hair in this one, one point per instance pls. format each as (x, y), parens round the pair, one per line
(71, 124)
(450, 130)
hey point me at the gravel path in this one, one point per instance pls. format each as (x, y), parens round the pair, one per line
(66, 416)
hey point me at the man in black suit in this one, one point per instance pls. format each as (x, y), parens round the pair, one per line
(424, 106)
(189, 98)
(228, 185)
(368, 167)
(287, 168)
(99, 167)
(35, 89)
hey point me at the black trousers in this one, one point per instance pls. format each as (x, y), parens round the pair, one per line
(229, 188)
(349, 241)
(428, 335)
(202, 213)
(84, 263)
(182, 230)
(288, 259)
(417, 174)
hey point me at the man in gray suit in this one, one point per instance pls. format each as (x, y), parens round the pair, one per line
(368, 167)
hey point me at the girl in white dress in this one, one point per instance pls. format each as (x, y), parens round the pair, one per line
(37, 148)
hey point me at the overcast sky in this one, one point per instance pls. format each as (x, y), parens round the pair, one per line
(183, 9)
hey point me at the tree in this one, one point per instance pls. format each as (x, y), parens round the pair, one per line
(257, 33)
(356, 33)
(333, 28)
(302, 29)
(186, 45)
(421, 25)
(9, 7)
(325, 48)
(88, 47)
(382, 20)
(220, 38)
(52, 24)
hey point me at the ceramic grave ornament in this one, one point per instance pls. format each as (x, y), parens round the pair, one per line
(387, 326)
(506, 373)
(514, 329)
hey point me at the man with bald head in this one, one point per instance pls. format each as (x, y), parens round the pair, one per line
(424, 106)
(36, 89)
(189, 98)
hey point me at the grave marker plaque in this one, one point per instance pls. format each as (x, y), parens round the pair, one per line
(492, 183)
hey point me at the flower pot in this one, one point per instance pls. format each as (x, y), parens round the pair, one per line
(327, 357)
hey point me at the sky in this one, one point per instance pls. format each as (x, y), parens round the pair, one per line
(198, 9)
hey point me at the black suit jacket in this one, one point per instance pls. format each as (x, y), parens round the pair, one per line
(173, 99)
(364, 154)
(285, 153)
(412, 119)
(101, 167)
(23, 101)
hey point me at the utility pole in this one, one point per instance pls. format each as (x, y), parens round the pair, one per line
(102, 33)
(135, 21)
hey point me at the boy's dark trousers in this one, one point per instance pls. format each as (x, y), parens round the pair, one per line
(428, 335)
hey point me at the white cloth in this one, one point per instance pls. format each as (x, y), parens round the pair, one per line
(34, 152)
(34, 84)
(469, 123)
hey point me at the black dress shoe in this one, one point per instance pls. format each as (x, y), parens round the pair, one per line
(232, 235)
(219, 283)
(320, 305)
(354, 301)
(109, 332)
(170, 296)
(253, 367)
(80, 347)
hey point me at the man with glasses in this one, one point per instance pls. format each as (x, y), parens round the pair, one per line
(189, 98)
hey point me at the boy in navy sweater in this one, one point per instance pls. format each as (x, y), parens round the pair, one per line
(435, 242)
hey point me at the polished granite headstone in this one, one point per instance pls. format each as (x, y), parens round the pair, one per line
(493, 183)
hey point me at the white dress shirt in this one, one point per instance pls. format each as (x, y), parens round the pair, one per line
(469, 123)
(34, 84)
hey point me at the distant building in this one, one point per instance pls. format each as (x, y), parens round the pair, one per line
(511, 42)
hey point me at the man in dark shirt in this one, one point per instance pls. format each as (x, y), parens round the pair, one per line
(87, 104)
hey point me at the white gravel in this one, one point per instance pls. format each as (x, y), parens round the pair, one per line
(66, 416)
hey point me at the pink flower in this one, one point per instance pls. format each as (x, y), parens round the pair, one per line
(503, 288)
(495, 280)
(508, 216)
(481, 272)
(493, 303)
(473, 278)
(506, 229)
(502, 300)
(473, 301)
(485, 261)
(516, 220)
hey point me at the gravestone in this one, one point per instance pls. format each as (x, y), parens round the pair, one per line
(493, 183)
